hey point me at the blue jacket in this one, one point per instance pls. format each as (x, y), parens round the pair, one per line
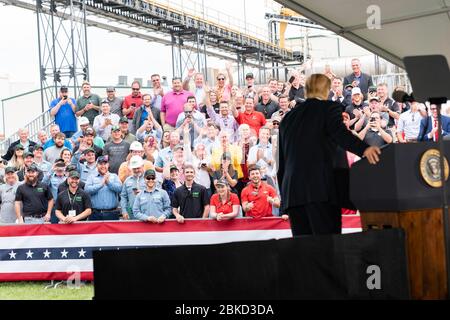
(426, 126)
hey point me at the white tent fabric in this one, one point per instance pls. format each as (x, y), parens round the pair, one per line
(408, 27)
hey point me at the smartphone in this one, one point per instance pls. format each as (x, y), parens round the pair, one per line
(65, 97)
(291, 79)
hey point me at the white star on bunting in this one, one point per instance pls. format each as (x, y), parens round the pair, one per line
(82, 253)
(64, 253)
(12, 255)
(47, 253)
(29, 254)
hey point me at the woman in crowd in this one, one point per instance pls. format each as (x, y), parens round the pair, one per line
(165, 141)
(226, 172)
(66, 155)
(211, 100)
(224, 205)
(8, 196)
(17, 160)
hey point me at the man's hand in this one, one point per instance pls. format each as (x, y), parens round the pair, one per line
(180, 219)
(357, 113)
(285, 217)
(152, 219)
(161, 219)
(191, 73)
(250, 206)
(125, 216)
(367, 111)
(20, 220)
(106, 178)
(372, 154)
(69, 220)
(47, 217)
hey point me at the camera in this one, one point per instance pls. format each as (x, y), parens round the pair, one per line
(372, 119)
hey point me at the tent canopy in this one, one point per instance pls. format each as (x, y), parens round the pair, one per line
(408, 27)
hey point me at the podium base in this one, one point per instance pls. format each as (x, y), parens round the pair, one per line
(425, 248)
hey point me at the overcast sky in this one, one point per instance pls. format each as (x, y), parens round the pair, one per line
(110, 54)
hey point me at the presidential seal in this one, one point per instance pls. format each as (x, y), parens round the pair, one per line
(430, 168)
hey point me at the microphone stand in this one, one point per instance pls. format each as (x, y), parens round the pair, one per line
(438, 102)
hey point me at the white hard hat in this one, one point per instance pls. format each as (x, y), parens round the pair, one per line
(136, 162)
(83, 121)
(136, 146)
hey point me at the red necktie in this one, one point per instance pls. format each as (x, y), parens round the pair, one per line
(436, 134)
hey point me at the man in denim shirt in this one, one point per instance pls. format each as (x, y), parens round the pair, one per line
(132, 186)
(87, 168)
(153, 204)
(104, 188)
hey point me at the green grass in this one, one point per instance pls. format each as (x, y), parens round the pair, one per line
(37, 291)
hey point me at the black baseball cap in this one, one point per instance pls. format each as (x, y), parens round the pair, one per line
(71, 167)
(149, 172)
(74, 174)
(63, 89)
(28, 154)
(38, 146)
(123, 119)
(102, 159)
(174, 167)
(10, 170)
(249, 75)
(33, 167)
(88, 150)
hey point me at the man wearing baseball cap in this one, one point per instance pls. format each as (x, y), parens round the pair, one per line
(83, 122)
(117, 149)
(28, 160)
(63, 109)
(355, 109)
(104, 188)
(73, 204)
(114, 102)
(132, 186)
(34, 200)
(38, 152)
(124, 128)
(136, 149)
(152, 204)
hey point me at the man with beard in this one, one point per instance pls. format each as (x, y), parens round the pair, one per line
(34, 201)
(52, 153)
(28, 160)
(73, 204)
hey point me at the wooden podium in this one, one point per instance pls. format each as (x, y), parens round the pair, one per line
(394, 194)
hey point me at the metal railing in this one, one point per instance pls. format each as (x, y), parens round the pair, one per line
(393, 80)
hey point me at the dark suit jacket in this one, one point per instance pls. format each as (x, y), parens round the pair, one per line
(426, 126)
(9, 154)
(364, 83)
(309, 134)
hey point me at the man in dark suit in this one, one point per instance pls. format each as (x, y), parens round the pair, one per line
(358, 78)
(23, 140)
(429, 126)
(309, 134)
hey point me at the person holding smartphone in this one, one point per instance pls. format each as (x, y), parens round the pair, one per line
(88, 105)
(131, 103)
(63, 109)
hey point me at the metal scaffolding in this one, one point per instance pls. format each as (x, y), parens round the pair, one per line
(62, 45)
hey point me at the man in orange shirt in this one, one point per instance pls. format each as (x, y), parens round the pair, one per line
(253, 118)
(258, 197)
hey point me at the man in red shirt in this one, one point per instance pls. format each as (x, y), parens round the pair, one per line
(131, 103)
(258, 197)
(251, 117)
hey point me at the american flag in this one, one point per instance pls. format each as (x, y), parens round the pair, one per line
(57, 252)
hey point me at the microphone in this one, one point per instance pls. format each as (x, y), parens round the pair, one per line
(402, 97)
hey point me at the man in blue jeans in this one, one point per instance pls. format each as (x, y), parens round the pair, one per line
(104, 188)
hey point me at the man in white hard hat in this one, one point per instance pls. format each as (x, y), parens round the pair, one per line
(132, 186)
(136, 149)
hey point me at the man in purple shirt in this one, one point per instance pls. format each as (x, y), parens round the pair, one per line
(172, 104)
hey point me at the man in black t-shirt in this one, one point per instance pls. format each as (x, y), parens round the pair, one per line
(34, 201)
(73, 204)
(191, 199)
